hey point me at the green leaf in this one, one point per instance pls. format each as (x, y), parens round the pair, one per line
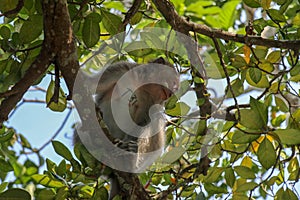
(238, 61)
(15, 194)
(46, 194)
(241, 138)
(281, 104)
(180, 109)
(251, 119)
(173, 155)
(252, 3)
(227, 15)
(266, 66)
(3, 186)
(5, 32)
(7, 135)
(138, 49)
(244, 172)
(5, 166)
(261, 109)
(237, 87)
(276, 15)
(111, 22)
(7, 5)
(255, 75)
(274, 56)
(246, 187)
(100, 193)
(46, 181)
(266, 154)
(61, 105)
(213, 174)
(31, 29)
(277, 121)
(265, 4)
(288, 136)
(91, 29)
(285, 194)
(263, 82)
(136, 18)
(62, 150)
(229, 177)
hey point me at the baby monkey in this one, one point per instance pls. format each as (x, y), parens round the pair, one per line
(129, 99)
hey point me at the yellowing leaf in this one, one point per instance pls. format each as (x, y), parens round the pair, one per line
(247, 162)
(265, 4)
(256, 143)
(247, 52)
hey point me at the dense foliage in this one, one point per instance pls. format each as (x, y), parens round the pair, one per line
(234, 134)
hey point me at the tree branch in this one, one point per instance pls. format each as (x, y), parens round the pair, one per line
(58, 46)
(182, 25)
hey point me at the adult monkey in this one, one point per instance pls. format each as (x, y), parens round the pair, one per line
(147, 85)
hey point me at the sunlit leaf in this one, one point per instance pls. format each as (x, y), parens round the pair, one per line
(255, 75)
(3, 186)
(46, 181)
(274, 56)
(181, 108)
(227, 14)
(262, 83)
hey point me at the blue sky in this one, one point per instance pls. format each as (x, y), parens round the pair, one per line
(38, 123)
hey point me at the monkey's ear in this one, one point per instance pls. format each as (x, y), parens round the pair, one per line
(160, 60)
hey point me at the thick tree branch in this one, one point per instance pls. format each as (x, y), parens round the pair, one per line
(58, 29)
(180, 24)
(38, 67)
(58, 47)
